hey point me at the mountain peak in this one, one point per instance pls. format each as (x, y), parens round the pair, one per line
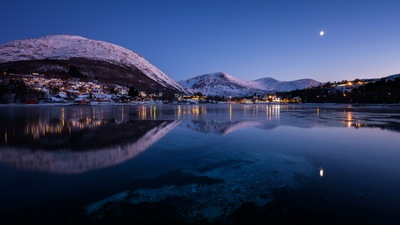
(219, 74)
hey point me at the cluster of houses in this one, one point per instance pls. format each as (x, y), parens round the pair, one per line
(73, 90)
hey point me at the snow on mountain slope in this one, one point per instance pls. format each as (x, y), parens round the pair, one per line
(275, 85)
(222, 84)
(267, 83)
(67, 46)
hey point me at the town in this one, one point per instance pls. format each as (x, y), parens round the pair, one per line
(37, 88)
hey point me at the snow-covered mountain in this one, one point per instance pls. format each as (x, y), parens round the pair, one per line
(59, 48)
(222, 84)
(272, 84)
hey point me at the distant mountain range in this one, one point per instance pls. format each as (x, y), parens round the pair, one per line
(223, 84)
(91, 58)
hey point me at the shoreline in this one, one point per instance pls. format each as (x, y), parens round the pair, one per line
(161, 103)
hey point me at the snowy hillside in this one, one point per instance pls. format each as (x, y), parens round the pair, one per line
(222, 84)
(275, 85)
(67, 46)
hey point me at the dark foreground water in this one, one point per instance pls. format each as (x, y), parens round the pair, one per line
(200, 164)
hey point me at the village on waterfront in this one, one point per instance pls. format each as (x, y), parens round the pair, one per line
(37, 88)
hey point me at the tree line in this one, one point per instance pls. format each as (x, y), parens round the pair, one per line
(16, 91)
(380, 91)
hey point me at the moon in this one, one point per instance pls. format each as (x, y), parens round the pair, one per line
(321, 33)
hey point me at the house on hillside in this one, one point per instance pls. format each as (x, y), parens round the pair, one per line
(82, 101)
(73, 93)
(101, 97)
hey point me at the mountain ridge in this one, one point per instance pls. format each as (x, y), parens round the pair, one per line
(223, 84)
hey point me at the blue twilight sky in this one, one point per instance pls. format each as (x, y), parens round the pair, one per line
(248, 39)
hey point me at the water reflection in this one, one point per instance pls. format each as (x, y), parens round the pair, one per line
(73, 139)
(225, 112)
(69, 161)
(245, 155)
(24, 125)
(225, 119)
(147, 112)
(218, 127)
(193, 111)
(349, 119)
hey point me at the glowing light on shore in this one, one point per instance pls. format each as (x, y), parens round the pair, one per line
(321, 172)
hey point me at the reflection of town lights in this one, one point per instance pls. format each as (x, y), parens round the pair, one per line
(349, 119)
(203, 110)
(321, 172)
(179, 111)
(5, 137)
(62, 116)
(143, 113)
(230, 112)
(195, 110)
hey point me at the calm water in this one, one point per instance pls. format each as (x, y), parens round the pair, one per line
(200, 164)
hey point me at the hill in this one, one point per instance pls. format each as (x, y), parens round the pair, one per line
(73, 56)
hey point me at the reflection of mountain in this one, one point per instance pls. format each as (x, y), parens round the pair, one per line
(308, 116)
(128, 145)
(76, 134)
(241, 125)
(219, 127)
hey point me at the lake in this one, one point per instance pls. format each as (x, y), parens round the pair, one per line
(200, 164)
